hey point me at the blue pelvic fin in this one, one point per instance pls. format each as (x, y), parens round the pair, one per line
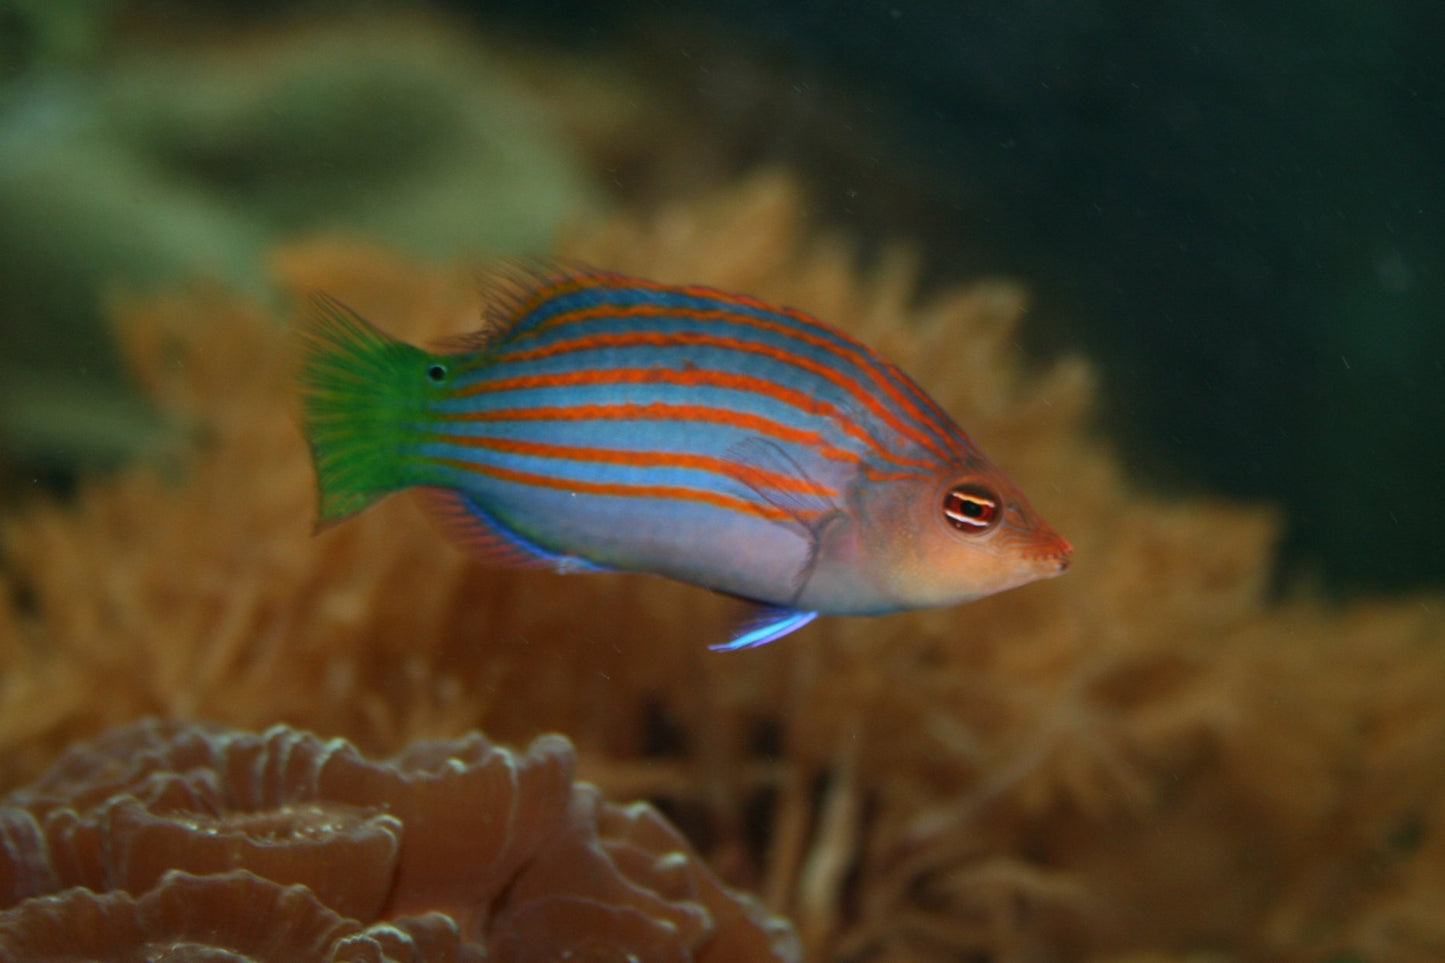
(767, 623)
(477, 531)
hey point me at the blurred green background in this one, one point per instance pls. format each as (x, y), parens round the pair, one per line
(1234, 207)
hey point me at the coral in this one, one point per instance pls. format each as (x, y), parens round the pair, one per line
(283, 846)
(1151, 755)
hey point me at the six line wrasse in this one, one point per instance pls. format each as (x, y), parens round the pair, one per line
(602, 422)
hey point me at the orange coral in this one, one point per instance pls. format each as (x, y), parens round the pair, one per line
(1148, 754)
(283, 846)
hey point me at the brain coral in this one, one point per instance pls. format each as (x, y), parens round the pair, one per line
(166, 840)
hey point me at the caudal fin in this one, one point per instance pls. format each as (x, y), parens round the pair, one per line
(363, 396)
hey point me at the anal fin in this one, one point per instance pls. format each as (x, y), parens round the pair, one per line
(479, 533)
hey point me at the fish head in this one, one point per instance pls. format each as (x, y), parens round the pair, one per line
(961, 536)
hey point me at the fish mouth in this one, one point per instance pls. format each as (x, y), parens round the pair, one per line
(1056, 561)
(1049, 566)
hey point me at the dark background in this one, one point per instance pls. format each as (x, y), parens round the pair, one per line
(1234, 207)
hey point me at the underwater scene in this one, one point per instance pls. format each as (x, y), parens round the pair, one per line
(847, 482)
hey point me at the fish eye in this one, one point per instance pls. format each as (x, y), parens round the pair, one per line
(436, 373)
(971, 508)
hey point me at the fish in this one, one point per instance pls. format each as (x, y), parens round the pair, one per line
(602, 422)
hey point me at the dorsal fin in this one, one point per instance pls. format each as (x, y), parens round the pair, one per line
(511, 289)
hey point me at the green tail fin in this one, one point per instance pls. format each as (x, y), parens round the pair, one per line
(362, 395)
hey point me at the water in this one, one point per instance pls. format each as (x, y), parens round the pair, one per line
(1218, 734)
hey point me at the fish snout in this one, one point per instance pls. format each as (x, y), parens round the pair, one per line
(1057, 559)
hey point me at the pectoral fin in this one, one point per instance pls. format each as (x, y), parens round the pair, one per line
(763, 466)
(809, 506)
